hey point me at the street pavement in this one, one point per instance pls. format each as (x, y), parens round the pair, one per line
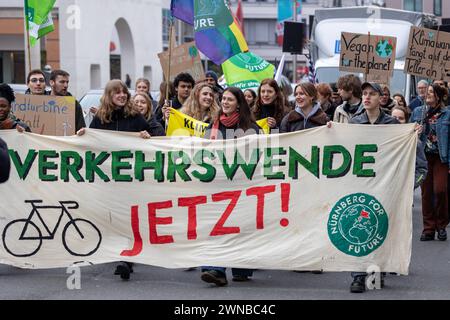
(429, 278)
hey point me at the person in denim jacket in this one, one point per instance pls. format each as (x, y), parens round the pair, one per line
(435, 119)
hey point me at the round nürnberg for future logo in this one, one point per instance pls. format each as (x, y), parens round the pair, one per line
(358, 224)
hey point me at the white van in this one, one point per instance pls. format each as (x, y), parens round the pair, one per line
(330, 23)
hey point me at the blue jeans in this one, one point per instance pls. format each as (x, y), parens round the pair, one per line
(234, 271)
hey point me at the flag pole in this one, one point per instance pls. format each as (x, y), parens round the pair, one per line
(27, 34)
(170, 58)
(171, 26)
(294, 60)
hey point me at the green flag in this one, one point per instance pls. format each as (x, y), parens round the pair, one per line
(39, 18)
(246, 70)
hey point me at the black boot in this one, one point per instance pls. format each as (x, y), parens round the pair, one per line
(124, 269)
(358, 285)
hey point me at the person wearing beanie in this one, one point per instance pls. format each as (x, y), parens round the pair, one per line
(212, 79)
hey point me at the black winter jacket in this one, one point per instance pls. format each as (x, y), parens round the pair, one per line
(5, 164)
(156, 129)
(119, 122)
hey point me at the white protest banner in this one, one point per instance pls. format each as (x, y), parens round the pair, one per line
(337, 199)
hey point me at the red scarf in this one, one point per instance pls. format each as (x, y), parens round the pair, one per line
(228, 122)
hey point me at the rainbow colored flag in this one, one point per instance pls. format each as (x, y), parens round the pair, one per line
(217, 34)
(183, 10)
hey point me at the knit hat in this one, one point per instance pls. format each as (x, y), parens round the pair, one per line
(211, 74)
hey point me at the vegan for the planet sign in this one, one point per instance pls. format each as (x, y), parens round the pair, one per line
(372, 55)
(428, 54)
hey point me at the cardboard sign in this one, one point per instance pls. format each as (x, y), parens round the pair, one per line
(428, 54)
(372, 55)
(47, 115)
(185, 58)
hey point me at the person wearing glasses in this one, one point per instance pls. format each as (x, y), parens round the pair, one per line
(36, 83)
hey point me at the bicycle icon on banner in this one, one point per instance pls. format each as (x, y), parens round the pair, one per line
(80, 237)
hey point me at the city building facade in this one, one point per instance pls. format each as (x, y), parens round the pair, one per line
(94, 41)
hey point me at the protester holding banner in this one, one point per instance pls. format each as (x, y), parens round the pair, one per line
(443, 84)
(36, 83)
(387, 103)
(232, 121)
(116, 112)
(435, 118)
(324, 98)
(372, 114)
(201, 104)
(144, 105)
(422, 87)
(270, 103)
(59, 81)
(307, 113)
(5, 164)
(7, 119)
(349, 87)
(183, 84)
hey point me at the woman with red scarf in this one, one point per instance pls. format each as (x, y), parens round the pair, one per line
(234, 120)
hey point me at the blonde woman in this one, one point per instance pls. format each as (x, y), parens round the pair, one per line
(201, 104)
(144, 105)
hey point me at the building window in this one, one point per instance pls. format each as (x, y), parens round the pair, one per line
(438, 8)
(166, 15)
(413, 5)
(260, 31)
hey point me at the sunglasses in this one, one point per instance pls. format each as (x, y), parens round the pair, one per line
(34, 80)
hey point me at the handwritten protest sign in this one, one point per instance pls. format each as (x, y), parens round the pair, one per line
(428, 54)
(185, 58)
(372, 55)
(48, 115)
